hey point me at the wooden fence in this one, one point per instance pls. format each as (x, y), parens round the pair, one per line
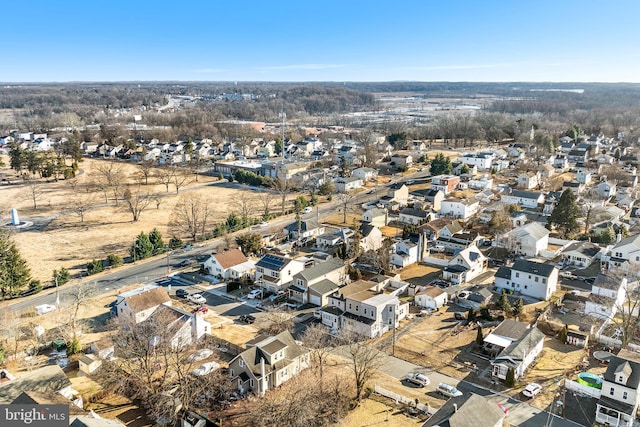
(425, 409)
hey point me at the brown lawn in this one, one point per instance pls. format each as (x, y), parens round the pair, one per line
(60, 239)
(419, 274)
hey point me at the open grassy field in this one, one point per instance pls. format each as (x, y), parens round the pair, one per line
(59, 238)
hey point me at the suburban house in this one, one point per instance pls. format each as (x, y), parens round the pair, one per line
(440, 227)
(331, 270)
(230, 265)
(139, 304)
(481, 160)
(403, 253)
(529, 278)
(435, 197)
(305, 229)
(561, 162)
(528, 240)
(469, 410)
(483, 183)
(184, 328)
(521, 345)
(528, 180)
(376, 216)
(413, 216)
(606, 189)
(618, 402)
(546, 171)
(102, 348)
(365, 174)
(363, 308)
(478, 296)
(47, 380)
(346, 184)
(459, 241)
(371, 237)
(608, 294)
(465, 266)
(398, 194)
(93, 420)
(625, 253)
(402, 160)
(275, 273)
(459, 208)
(445, 183)
(431, 298)
(268, 362)
(580, 254)
(331, 240)
(526, 199)
(576, 187)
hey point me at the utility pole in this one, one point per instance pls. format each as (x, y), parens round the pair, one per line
(393, 338)
(284, 116)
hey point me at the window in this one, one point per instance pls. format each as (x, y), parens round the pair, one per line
(241, 363)
(611, 391)
(544, 280)
(231, 372)
(537, 278)
(526, 286)
(364, 310)
(529, 277)
(517, 274)
(624, 395)
(251, 382)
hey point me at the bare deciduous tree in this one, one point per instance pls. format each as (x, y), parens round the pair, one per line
(244, 203)
(191, 216)
(181, 177)
(282, 187)
(278, 321)
(34, 189)
(81, 203)
(316, 339)
(145, 170)
(136, 201)
(345, 200)
(364, 358)
(164, 175)
(113, 176)
(265, 199)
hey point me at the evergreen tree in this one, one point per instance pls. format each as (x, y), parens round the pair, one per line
(480, 336)
(175, 243)
(510, 379)
(471, 315)
(440, 165)
(504, 304)
(142, 248)
(565, 213)
(608, 235)
(14, 271)
(465, 169)
(562, 335)
(155, 237)
(517, 307)
(60, 277)
(250, 243)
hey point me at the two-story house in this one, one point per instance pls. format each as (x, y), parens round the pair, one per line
(376, 216)
(581, 254)
(625, 254)
(528, 239)
(465, 266)
(528, 180)
(370, 237)
(445, 183)
(398, 195)
(231, 264)
(606, 189)
(526, 199)
(364, 174)
(608, 293)
(520, 351)
(403, 253)
(413, 216)
(140, 303)
(530, 278)
(346, 184)
(361, 307)
(306, 229)
(268, 362)
(618, 402)
(275, 273)
(304, 289)
(459, 208)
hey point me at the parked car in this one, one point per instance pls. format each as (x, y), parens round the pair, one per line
(263, 224)
(247, 318)
(410, 182)
(202, 309)
(448, 390)
(188, 262)
(373, 191)
(279, 297)
(438, 249)
(181, 293)
(188, 247)
(206, 368)
(532, 390)
(256, 293)
(201, 354)
(307, 210)
(458, 315)
(420, 380)
(198, 299)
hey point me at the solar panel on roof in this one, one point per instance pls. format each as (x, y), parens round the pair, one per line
(272, 262)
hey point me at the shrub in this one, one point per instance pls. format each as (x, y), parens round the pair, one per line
(94, 266)
(62, 276)
(73, 346)
(175, 243)
(510, 380)
(114, 260)
(35, 286)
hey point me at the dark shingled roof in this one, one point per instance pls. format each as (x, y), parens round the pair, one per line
(618, 364)
(504, 272)
(533, 267)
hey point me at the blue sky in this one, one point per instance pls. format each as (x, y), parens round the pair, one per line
(329, 40)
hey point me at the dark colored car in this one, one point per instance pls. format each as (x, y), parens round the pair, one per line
(181, 293)
(247, 318)
(202, 309)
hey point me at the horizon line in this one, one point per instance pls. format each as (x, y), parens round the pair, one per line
(235, 82)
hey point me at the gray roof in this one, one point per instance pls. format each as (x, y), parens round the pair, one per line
(91, 421)
(617, 364)
(521, 347)
(525, 194)
(418, 213)
(511, 329)
(537, 268)
(253, 354)
(631, 240)
(466, 411)
(608, 281)
(504, 272)
(306, 224)
(323, 287)
(321, 269)
(48, 379)
(586, 248)
(533, 229)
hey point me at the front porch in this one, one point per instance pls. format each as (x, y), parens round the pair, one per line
(613, 413)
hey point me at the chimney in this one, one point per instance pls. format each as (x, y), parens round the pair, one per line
(262, 376)
(455, 407)
(618, 237)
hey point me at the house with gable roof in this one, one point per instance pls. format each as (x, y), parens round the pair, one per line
(522, 346)
(530, 278)
(371, 237)
(230, 264)
(413, 216)
(47, 380)
(526, 199)
(431, 298)
(528, 239)
(618, 402)
(139, 304)
(268, 362)
(309, 228)
(376, 216)
(467, 411)
(403, 253)
(275, 272)
(465, 266)
(608, 293)
(625, 254)
(581, 254)
(331, 273)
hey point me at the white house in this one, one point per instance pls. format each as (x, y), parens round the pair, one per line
(618, 403)
(403, 253)
(431, 298)
(530, 278)
(404, 160)
(275, 273)
(526, 199)
(332, 270)
(482, 161)
(308, 228)
(347, 184)
(625, 254)
(606, 189)
(371, 239)
(364, 174)
(608, 294)
(140, 303)
(484, 183)
(581, 254)
(230, 264)
(413, 216)
(528, 180)
(519, 354)
(376, 216)
(459, 208)
(465, 266)
(528, 239)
